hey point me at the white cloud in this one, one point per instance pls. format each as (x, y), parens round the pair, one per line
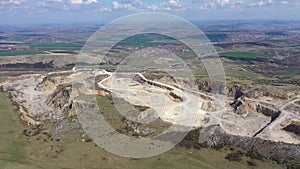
(262, 3)
(175, 5)
(222, 2)
(217, 4)
(16, 2)
(78, 2)
(255, 4)
(128, 6)
(57, 1)
(13, 2)
(152, 7)
(116, 5)
(105, 9)
(92, 1)
(174, 2)
(138, 5)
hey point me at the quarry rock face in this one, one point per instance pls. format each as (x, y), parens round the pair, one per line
(41, 97)
(60, 100)
(207, 106)
(294, 128)
(249, 120)
(280, 152)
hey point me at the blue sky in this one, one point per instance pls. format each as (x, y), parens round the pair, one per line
(77, 11)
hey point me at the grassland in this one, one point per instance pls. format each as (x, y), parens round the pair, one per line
(116, 120)
(110, 113)
(54, 45)
(141, 38)
(12, 146)
(240, 55)
(291, 73)
(22, 52)
(42, 47)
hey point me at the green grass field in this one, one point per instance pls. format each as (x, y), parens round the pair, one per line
(54, 45)
(40, 48)
(12, 146)
(145, 38)
(23, 52)
(291, 73)
(240, 55)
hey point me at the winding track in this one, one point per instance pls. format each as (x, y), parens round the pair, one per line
(185, 92)
(217, 115)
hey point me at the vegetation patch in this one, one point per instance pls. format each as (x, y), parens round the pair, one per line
(54, 45)
(191, 140)
(239, 55)
(21, 52)
(38, 65)
(291, 72)
(235, 156)
(12, 146)
(217, 37)
(254, 155)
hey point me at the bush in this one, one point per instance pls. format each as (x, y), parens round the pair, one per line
(191, 140)
(200, 145)
(254, 155)
(235, 156)
(218, 146)
(251, 163)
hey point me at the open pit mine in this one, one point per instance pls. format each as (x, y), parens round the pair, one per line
(247, 118)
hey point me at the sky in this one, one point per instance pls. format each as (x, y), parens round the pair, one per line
(98, 11)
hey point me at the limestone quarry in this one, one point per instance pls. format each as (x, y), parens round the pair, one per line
(48, 97)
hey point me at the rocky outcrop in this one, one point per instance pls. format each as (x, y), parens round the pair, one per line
(207, 106)
(142, 80)
(282, 153)
(50, 81)
(293, 128)
(239, 104)
(175, 97)
(268, 111)
(26, 117)
(231, 90)
(203, 85)
(243, 107)
(41, 98)
(60, 100)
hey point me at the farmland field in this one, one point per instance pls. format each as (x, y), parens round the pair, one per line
(240, 55)
(23, 52)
